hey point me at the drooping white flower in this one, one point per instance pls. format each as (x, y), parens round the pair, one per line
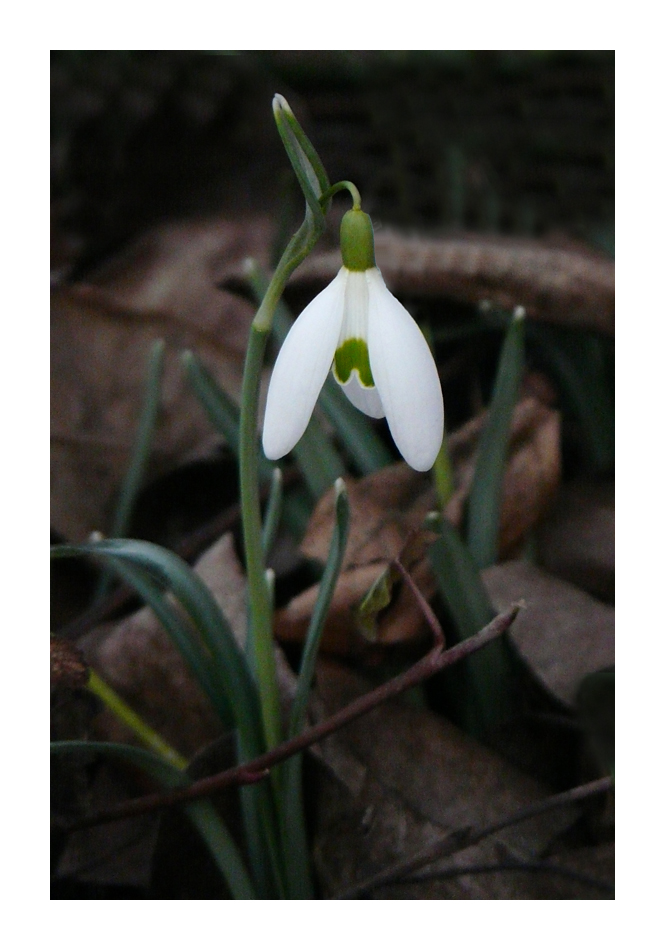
(375, 349)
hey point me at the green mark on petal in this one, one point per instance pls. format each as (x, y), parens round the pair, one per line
(353, 354)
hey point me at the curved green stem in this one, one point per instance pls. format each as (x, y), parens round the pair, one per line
(341, 186)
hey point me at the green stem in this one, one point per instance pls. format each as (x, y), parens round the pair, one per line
(341, 186)
(264, 315)
(257, 588)
(151, 739)
(260, 606)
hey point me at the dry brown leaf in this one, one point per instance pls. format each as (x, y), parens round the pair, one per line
(533, 470)
(398, 780)
(102, 332)
(175, 270)
(388, 506)
(572, 286)
(563, 635)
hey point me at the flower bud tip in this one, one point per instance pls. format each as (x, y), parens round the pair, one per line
(279, 102)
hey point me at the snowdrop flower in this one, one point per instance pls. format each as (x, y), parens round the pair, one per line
(375, 349)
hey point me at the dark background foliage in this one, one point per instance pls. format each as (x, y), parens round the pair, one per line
(517, 142)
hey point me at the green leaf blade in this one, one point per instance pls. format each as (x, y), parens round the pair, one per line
(221, 668)
(292, 813)
(485, 496)
(480, 687)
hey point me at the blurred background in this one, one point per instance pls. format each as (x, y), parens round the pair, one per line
(516, 142)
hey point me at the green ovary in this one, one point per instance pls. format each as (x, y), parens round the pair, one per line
(353, 354)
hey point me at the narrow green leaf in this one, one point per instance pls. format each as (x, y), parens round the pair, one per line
(484, 505)
(144, 438)
(232, 681)
(151, 763)
(221, 409)
(258, 805)
(202, 814)
(479, 689)
(133, 480)
(205, 818)
(321, 608)
(290, 773)
(178, 627)
(459, 581)
(260, 827)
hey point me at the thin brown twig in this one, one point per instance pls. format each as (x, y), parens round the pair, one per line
(428, 613)
(462, 838)
(248, 772)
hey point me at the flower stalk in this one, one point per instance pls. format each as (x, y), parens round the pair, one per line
(260, 606)
(316, 189)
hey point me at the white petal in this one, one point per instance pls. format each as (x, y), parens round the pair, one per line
(355, 306)
(365, 398)
(405, 375)
(301, 368)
